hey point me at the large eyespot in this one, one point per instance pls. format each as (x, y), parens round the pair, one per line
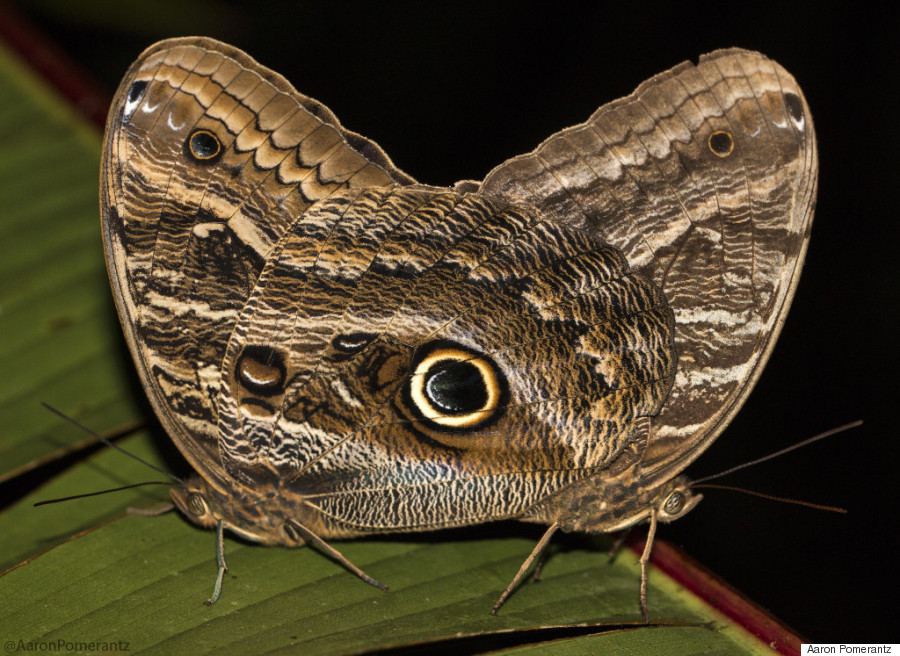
(452, 388)
(203, 146)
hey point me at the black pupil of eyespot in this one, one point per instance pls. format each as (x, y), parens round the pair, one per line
(794, 106)
(720, 142)
(456, 388)
(136, 91)
(203, 144)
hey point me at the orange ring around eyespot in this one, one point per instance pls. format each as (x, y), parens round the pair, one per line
(717, 150)
(198, 156)
(424, 405)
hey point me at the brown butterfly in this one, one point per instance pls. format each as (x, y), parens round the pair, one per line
(340, 351)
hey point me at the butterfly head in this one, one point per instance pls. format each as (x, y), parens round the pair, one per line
(669, 501)
(245, 516)
(191, 502)
(676, 501)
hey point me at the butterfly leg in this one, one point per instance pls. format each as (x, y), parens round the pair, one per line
(334, 554)
(220, 559)
(537, 551)
(645, 559)
(617, 545)
(539, 566)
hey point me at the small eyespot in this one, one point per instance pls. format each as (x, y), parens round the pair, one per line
(452, 388)
(260, 370)
(352, 343)
(136, 91)
(795, 109)
(203, 146)
(196, 504)
(674, 503)
(721, 143)
(133, 99)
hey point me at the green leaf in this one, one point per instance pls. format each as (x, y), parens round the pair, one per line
(61, 343)
(143, 580)
(87, 576)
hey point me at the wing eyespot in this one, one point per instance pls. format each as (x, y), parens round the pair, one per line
(721, 143)
(261, 370)
(452, 388)
(133, 98)
(203, 146)
(352, 343)
(795, 109)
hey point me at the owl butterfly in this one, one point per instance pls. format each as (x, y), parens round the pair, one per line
(340, 351)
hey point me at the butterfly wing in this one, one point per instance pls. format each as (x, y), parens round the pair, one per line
(416, 358)
(208, 158)
(296, 318)
(705, 178)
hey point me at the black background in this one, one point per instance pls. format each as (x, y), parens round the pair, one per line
(451, 90)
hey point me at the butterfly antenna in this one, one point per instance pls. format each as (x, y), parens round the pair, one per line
(798, 445)
(771, 497)
(113, 446)
(94, 494)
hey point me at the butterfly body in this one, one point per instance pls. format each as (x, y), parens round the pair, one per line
(340, 351)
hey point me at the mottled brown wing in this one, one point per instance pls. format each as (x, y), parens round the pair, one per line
(333, 393)
(208, 158)
(705, 178)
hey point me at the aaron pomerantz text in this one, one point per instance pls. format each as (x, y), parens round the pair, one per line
(65, 646)
(846, 649)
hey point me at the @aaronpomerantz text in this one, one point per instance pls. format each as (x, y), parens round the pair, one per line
(62, 646)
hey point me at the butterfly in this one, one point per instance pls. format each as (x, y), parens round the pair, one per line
(339, 350)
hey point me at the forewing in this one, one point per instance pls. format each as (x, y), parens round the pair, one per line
(207, 159)
(705, 178)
